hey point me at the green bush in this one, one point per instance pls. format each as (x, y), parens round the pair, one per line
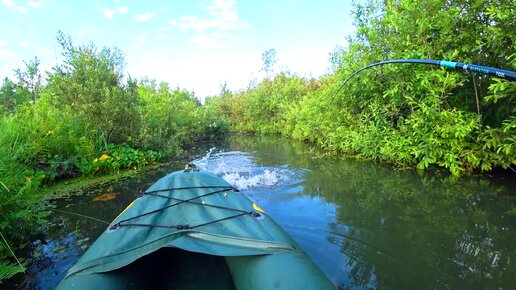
(89, 85)
(86, 121)
(261, 109)
(412, 116)
(173, 119)
(117, 157)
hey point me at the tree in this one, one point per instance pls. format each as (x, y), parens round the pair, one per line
(13, 95)
(90, 84)
(269, 60)
(335, 58)
(30, 78)
(8, 94)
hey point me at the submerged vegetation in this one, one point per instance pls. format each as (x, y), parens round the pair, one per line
(87, 119)
(409, 115)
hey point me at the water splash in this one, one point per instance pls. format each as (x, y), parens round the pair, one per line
(241, 171)
(266, 179)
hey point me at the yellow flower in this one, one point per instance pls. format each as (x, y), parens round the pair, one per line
(104, 157)
(95, 160)
(49, 133)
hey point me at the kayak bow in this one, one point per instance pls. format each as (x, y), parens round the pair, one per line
(193, 230)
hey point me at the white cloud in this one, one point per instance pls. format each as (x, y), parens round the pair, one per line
(11, 5)
(223, 16)
(144, 17)
(224, 9)
(122, 9)
(108, 13)
(203, 73)
(6, 53)
(2, 42)
(36, 4)
(214, 30)
(46, 51)
(141, 38)
(213, 40)
(25, 43)
(87, 31)
(8, 3)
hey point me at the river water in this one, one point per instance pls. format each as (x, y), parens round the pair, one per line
(364, 224)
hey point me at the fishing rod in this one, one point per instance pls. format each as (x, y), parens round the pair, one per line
(487, 70)
(79, 215)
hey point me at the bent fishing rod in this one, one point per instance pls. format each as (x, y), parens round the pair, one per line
(487, 70)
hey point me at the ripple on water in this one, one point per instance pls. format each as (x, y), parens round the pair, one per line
(241, 170)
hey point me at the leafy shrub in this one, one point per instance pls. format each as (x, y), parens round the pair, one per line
(408, 115)
(85, 121)
(117, 157)
(173, 119)
(89, 85)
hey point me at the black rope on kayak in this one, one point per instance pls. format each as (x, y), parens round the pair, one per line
(178, 227)
(191, 187)
(200, 203)
(120, 223)
(251, 213)
(188, 227)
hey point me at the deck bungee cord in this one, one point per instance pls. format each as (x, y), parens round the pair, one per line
(211, 229)
(223, 189)
(122, 223)
(486, 70)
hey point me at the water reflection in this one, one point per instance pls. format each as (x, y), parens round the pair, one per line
(393, 229)
(365, 225)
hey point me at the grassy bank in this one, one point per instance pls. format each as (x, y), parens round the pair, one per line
(86, 119)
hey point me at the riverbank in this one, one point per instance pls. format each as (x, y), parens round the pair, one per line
(69, 187)
(407, 115)
(88, 119)
(363, 223)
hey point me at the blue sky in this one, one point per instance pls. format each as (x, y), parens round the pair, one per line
(197, 45)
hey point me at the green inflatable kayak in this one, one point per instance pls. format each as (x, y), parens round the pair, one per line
(193, 230)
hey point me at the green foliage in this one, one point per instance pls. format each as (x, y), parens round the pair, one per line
(86, 121)
(172, 119)
(269, 60)
(261, 109)
(117, 157)
(409, 115)
(30, 78)
(8, 270)
(12, 95)
(89, 84)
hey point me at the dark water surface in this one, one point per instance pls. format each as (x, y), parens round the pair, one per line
(365, 225)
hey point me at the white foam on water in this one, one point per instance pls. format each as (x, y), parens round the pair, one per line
(240, 170)
(265, 179)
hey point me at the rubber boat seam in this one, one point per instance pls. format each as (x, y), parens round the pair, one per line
(285, 248)
(180, 232)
